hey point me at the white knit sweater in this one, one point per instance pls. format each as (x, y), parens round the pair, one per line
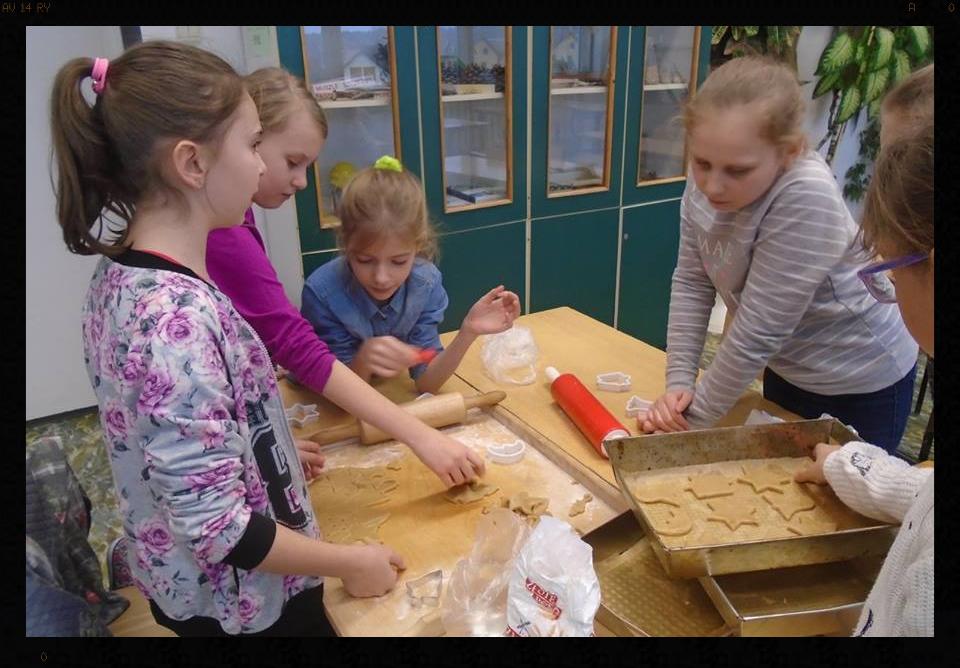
(886, 488)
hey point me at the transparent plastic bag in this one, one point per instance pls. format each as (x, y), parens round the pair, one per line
(554, 590)
(475, 603)
(511, 356)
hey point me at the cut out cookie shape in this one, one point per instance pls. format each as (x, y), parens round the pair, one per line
(809, 525)
(709, 485)
(732, 512)
(764, 478)
(790, 503)
(469, 493)
(580, 505)
(671, 522)
(659, 493)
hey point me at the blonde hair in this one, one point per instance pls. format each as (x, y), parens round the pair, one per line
(106, 154)
(278, 94)
(750, 79)
(899, 206)
(912, 98)
(377, 202)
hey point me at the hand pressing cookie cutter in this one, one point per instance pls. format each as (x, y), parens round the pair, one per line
(302, 414)
(508, 453)
(425, 590)
(615, 381)
(636, 405)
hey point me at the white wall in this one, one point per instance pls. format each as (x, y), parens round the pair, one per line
(56, 280)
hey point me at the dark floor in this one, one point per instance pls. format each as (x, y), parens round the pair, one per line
(82, 439)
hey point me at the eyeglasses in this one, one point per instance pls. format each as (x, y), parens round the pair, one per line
(874, 276)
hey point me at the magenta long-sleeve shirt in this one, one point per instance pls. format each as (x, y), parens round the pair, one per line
(237, 262)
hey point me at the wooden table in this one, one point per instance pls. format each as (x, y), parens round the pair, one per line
(575, 343)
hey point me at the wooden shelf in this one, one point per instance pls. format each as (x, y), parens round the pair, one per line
(580, 90)
(472, 97)
(666, 86)
(350, 104)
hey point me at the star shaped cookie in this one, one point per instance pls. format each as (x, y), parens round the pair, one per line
(790, 503)
(763, 478)
(709, 485)
(809, 525)
(732, 512)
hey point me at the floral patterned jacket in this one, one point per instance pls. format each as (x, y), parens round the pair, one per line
(204, 463)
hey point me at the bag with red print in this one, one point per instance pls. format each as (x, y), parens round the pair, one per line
(554, 590)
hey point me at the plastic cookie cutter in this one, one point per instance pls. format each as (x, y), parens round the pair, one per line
(506, 453)
(302, 414)
(615, 381)
(636, 405)
(425, 590)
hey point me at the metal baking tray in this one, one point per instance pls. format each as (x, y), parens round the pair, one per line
(823, 599)
(764, 441)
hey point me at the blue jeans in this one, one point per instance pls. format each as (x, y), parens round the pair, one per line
(879, 417)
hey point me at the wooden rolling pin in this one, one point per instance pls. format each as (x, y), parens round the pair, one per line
(437, 411)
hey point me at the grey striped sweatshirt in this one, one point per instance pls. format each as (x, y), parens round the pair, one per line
(786, 268)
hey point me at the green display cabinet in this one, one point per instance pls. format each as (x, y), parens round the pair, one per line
(579, 90)
(650, 242)
(667, 63)
(573, 262)
(473, 87)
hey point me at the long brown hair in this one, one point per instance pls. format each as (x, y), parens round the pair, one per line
(381, 201)
(156, 91)
(278, 94)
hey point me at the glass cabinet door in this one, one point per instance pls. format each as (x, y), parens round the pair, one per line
(475, 114)
(352, 72)
(580, 109)
(670, 57)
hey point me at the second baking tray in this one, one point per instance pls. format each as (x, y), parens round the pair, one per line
(629, 456)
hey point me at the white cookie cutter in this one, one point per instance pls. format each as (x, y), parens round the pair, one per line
(302, 414)
(635, 405)
(506, 453)
(426, 590)
(615, 381)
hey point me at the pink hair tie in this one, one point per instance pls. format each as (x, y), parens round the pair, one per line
(99, 74)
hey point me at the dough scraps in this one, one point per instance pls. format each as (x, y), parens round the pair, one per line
(763, 478)
(580, 505)
(790, 503)
(709, 485)
(732, 512)
(345, 529)
(469, 493)
(352, 487)
(533, 506)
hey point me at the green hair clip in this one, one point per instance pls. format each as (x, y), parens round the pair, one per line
(388, 162)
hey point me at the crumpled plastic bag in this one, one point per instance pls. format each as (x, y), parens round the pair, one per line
(554, 590)
(511, 356)
(475, 603)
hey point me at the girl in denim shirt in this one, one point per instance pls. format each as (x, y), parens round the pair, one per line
(378, 306)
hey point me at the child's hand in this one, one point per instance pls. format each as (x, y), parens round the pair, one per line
(813, 472)
(386, 356)
(493, 313)
(666, 413)
(373, 571)
(310, 458)
(453, 462)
